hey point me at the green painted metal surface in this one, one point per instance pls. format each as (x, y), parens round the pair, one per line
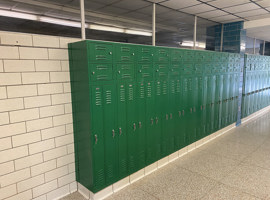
(135, 104)
(256, 92)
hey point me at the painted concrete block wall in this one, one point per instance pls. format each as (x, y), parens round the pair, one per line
(36, 133)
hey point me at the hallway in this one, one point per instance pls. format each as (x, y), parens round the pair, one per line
(233, 166)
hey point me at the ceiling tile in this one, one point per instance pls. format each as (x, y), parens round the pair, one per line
(159, 10)
(131, 4)
(252, 13)
(21, 7)
(264, 3)
(211, 14)
(242, 8)
(197, 9)
(89, 5)
(135, 15)
(105, 2)
(258, 17)
(227, 3)
(225, 18)
(7, 4)
(155, 1)
(110, 10)
(177, 4)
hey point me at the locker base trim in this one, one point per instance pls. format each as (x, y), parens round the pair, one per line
(256, 114)
(155, 166)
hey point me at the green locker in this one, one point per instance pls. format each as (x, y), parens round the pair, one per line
(179, 132)
(122, 130)
(158, 119)
(140, 114)
(132, 127)
(134, 104)
(151, 138)
(110, 135)
(165, 116)
(172, 117)
(100, 52)
(97, 138)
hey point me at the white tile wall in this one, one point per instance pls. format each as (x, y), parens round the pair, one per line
(36, 132)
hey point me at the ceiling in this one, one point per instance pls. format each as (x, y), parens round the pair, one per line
(175, 18)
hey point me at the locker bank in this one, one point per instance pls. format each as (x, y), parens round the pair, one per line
(139, 100)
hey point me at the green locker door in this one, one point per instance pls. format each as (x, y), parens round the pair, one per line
(100, 52)
(165, 116)
(125, 71)
(151, 138)
(125, 53)
(131, 126)
(172, 115)
(158, 115)
(195, 111)
(97, 137)
(140, 111)
(199, 109)
(212, 100)
(205, 105)
(110, 135)
(185, 107)
(225, 101)
(122, 130)
(179, 132)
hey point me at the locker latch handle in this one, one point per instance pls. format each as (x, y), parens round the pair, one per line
(167, 116)
(190, 110)
(110, 53)
(140, 124)
(113, 133)
(170, 115)
(183, 112)
(120, 131)
(134, 126)
(152, 121)
(201, 107)
(156, 120)
(194, 109)
(96, 139)
(179, 112)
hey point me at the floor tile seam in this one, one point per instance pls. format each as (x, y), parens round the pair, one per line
(150, 194)
(234, 159)
(254, 165)
(239, 189)
(197, 173)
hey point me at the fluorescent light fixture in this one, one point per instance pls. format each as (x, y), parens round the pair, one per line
(134, 32)
(63, 22)
(18, 15)
(191, 43)
(106, 28)
(70, 23)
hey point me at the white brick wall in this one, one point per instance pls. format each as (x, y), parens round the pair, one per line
(36, 131)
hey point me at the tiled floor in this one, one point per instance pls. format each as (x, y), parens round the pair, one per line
(233, 166)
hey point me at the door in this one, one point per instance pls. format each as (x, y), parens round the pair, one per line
(150, 135)
(131, 127)
(97, 137)
(110, 133)
(122, 130)
(141, 118)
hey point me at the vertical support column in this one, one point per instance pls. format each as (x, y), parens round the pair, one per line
(221, 38)
(263, 48)
(195, 33)
(154, 25)
(82, 19)
(254, 44)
